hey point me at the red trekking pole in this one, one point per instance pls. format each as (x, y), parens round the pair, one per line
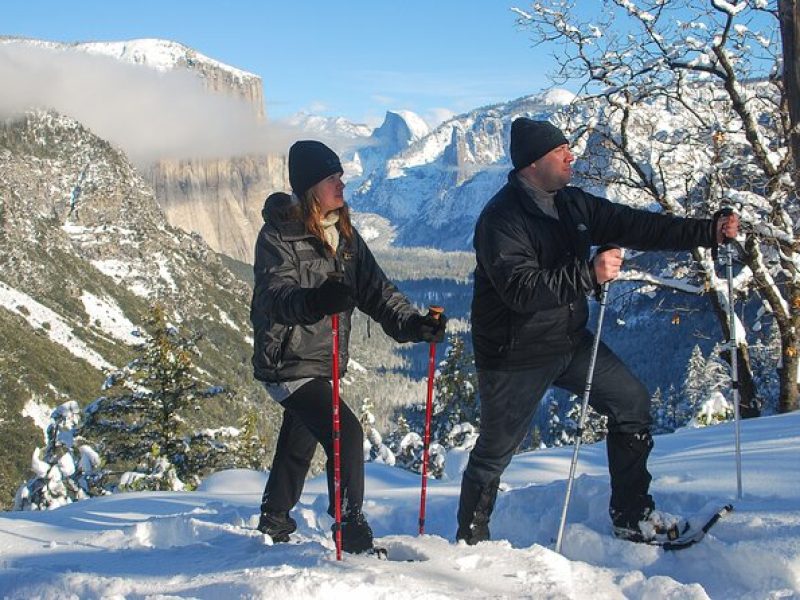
(337, 470)
(433, 311)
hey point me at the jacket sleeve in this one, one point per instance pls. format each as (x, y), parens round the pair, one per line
(277, 292)
(645, 230)
(379, 298)
(505, 254)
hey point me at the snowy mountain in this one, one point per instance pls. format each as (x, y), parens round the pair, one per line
(193, 125)
(203, 544)
(85, 249)
(432, 185)
(163, 56)
(329, 127)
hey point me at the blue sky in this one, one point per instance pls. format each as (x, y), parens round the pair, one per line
(354, 59)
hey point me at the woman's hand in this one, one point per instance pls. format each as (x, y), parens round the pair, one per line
(330, 298)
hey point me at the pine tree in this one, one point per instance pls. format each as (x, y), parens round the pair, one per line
(706, 382)
(714, 409)
(661, 413)
(595, 427)
(374, 448)
(455, 415)
(672, 404)
(402, 426)
(141, 426)
(717, 373)
(250, 451)
(766, 357)
(455, 393)
(69, 469)
(556, 434)
(694, 386)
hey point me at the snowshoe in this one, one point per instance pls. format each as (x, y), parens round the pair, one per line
(655, 527)
(277, 525)
(694, 530)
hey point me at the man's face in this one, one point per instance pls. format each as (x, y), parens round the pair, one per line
(553, 171)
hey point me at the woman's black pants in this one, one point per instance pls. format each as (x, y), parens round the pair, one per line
(308, 420)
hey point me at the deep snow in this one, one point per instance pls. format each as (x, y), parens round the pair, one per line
(201, 545)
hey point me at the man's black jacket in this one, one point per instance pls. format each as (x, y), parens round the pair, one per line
(290, 342)
(533, 272)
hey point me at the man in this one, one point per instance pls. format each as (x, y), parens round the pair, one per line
(529, 314)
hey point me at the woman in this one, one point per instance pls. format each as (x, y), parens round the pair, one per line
(305, 238)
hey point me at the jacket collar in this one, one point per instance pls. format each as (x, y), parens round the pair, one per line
(526, 202)
(282, 216)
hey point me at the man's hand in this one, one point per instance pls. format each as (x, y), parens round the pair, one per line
(607, 263)
(727, 227)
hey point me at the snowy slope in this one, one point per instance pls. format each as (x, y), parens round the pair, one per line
(201, 544)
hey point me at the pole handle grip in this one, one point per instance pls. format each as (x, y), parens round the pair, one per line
(435, 311)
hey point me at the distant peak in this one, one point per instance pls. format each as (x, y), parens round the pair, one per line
(159, 54)
(417, 127)
(557, 96)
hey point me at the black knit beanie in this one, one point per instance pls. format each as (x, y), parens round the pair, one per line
(531, 140)
(309, 163)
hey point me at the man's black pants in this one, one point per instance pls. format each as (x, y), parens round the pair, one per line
(308, 420)
(509, 400)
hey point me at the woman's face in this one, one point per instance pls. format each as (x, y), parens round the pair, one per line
(330, 193)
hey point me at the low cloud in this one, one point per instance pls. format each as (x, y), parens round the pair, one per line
(149, 114)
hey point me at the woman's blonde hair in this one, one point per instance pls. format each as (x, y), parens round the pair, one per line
(312, 217)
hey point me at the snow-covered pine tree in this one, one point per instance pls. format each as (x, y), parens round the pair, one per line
(694, 386)
(250, 451)
(717, 374)
(766, 357)
(455, 396)
(140, 427)
(408, 452)
(595, 428)
(657, 412)
(556, 434)
(374, 448)
(714, 409)
(706, 380)
(67, 472)
(402, 425)
(455, 415)
(672, 403)
(661, 413)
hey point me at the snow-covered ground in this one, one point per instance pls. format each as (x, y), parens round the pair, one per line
(202, 545)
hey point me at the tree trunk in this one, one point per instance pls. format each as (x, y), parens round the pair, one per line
(787, 401)
(789, 14)
(748, 406)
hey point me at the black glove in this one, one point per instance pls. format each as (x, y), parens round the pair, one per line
(330, 298)
(426, 328)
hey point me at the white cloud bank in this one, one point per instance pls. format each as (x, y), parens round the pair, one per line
(148, 113)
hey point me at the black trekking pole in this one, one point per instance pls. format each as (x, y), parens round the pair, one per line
(582, 421)
(733, 349)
